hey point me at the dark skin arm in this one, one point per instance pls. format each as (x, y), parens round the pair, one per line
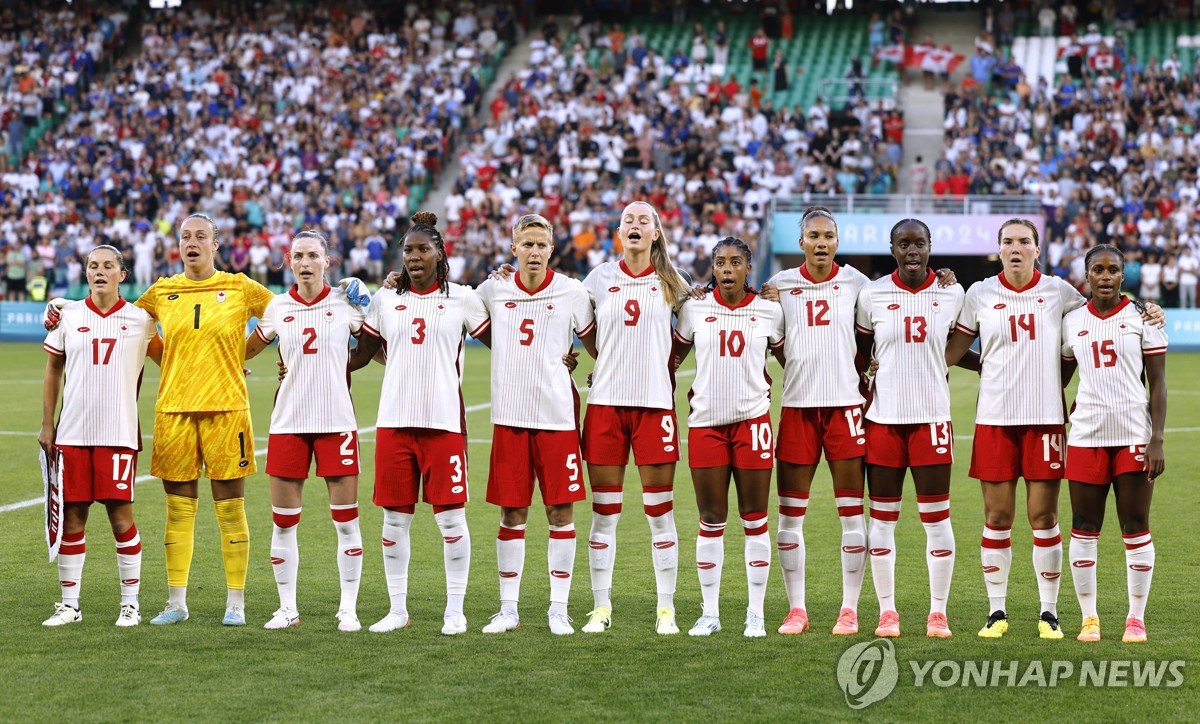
(959, 352)
(780, 355)
(679, 352)
(361, 355)
(589, 343)
(1156, 375)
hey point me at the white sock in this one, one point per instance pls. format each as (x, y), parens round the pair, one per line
(129, 564)
(396, 552)
(1139, 570)
(710, 559)
(939, 547)
(71, 553)
(854, 544)
(510, 560)
(350, 553)
(1047, 566)
(792, 507)
(560, 559)
(285, 554)
(235, 597)
(995, 554)
(1083, 554)
(602, 541)
(456, 552)
(659, 502)
(758, 559)
(885, 512)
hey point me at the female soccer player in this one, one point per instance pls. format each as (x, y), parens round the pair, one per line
(729, 426)
(1017, 317)
(102, 347)
(421, 430)
(313, 417)
(907, 319)
(1116, 434)
(632, 404)
(822, 411)
(535, 415)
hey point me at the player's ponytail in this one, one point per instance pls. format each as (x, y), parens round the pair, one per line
(425, 222)
(674, 288)
(741, 246)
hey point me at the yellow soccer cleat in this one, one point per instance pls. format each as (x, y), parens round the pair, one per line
(665, 623)
(1090, 630)
(996, 626)
(599, 619)
(1048, 627)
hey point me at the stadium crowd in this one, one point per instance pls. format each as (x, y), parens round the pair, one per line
(286, 118)
(1110, 148)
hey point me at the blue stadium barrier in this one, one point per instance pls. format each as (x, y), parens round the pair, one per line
(1183, 330)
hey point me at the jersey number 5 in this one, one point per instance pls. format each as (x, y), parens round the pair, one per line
(526, 329)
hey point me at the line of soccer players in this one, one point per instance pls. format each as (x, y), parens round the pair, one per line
(639, 320)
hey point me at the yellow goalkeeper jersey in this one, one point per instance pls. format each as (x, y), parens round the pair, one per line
(204, 339)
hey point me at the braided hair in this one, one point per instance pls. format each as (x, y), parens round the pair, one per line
(902, 222)
(1087, 258)
(425, 222)
(742, 247)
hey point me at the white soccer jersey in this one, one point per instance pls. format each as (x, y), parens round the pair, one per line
(731, 345)
(423, 336)
(314, 345)
(1111, 407)
(820, 346)
(910, 328)
(531, 331)
(104, 354)
(633, 339)
(1019, 334)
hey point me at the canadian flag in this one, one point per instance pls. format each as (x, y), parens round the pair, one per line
(1067, 51)
(1104, 61)
(891, 53)
(937, 60)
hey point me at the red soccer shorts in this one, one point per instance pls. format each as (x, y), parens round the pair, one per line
(97, 473)
(518, 455)
(910, 446)
(289, 456)
(407, 457)
(805, 431)
(1101, 465)
(609, 432)
(745, 445)
(1034, 452)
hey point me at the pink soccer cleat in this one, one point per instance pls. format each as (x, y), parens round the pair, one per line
(795, 623)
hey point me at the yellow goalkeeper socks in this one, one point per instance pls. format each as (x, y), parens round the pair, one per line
(179, 539)
(235, 540)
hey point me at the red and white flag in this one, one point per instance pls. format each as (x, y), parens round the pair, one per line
(938, 60)
(891, 53)
(53, 506)
(1104, 61)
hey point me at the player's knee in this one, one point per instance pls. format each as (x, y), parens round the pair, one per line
(1085, 523)
(1043, 519)
(512, 517)
(1135, 524)
(712, 516)
(998, 518)
(560, 514)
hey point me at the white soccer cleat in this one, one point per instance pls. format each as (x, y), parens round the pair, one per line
(665, 623)
(560, 624)
(391, 622)
(130, 616)
(504, 621)
(599, 619)
(756, 626)
(348, 621)
(63, 615)
(234, 616)
(705, 626)
(283, 618)
(454, 624)
(172, 614)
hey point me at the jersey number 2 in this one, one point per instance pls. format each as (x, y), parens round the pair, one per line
(310, 340)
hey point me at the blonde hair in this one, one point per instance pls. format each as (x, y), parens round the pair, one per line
(531, 221)
(673, 285)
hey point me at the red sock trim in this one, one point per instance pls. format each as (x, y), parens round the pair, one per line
(657, 488)
(510, 534)
(760, 530)
(992, 543)
(849, 511)
(658, 509)
(935, 517)
(792, 511)
(932, 498)
(73, 537)
(606, 508)
(72, 549)
(885, 515)
(562, 534)
(123, 537)
(286, 521)
(343, 515)
(1084, 535)
(1047, 542)
(795, 494)
(998, 527)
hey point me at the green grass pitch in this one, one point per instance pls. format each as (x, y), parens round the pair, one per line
(200, 670)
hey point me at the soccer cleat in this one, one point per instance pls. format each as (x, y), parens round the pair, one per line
(1048, 626)
(63, 614)
(937, 627)
(560, 624)
(283, 618)
(756, 626)
(996, 626)
(170, 615)
(348, 621)
(391, 622)
(1135, 631)
(234, 616)
(665, 623)
(847, 623)
(889, 625)
(1090, 630)
(506, 620)
(795, 623)
(599, 619)
(129, 616)
(705, 626)
(454, 624)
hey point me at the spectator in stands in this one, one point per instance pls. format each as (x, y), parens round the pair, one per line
(759, 46)
(1046, 18)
